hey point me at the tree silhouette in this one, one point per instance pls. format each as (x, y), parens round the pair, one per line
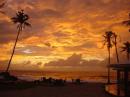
(127, 22)
(108, 42)
(126, 48)
(21, 21)
(115, 44)
(1, 6)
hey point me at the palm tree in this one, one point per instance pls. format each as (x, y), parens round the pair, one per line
(115, 44)
(108, 42)
(126, 48)
(127, 22)
(1, 6)
(21, 21)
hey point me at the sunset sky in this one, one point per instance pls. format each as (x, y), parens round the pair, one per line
(65, 34)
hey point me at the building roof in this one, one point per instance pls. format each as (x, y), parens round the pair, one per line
(122, 67)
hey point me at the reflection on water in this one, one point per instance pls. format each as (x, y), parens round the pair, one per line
(113, 89)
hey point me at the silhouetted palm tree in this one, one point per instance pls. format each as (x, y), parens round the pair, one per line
(126, 48)
(127, 22)
(21, 21)
(108, 42)
(1, 6)
(115, 44)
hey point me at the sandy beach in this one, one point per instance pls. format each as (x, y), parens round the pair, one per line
(69, 90)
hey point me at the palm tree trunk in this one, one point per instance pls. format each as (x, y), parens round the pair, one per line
(108, 66)
(19, 30)
(117, 56)
(128, 57)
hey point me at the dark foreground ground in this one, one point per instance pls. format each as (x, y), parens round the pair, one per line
(69, 90)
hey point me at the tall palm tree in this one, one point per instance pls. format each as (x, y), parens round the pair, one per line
(127, 22)
(126, 48)
(115, 44)
(21, 20)
(108, 42)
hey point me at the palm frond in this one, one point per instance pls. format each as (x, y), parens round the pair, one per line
(14, 20)
(126, 47)
(27, 24)
(103, 44)
(104, 36)
(127, 23)
(26, 17)
(108, 36)
(21, 19)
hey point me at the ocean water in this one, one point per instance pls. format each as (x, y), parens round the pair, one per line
(68, 76)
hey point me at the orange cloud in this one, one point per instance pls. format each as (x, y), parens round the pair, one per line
(61, 28)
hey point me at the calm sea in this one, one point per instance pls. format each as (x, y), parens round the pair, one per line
(84, 76)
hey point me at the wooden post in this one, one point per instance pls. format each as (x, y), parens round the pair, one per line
(118, 82)
(126, 83)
